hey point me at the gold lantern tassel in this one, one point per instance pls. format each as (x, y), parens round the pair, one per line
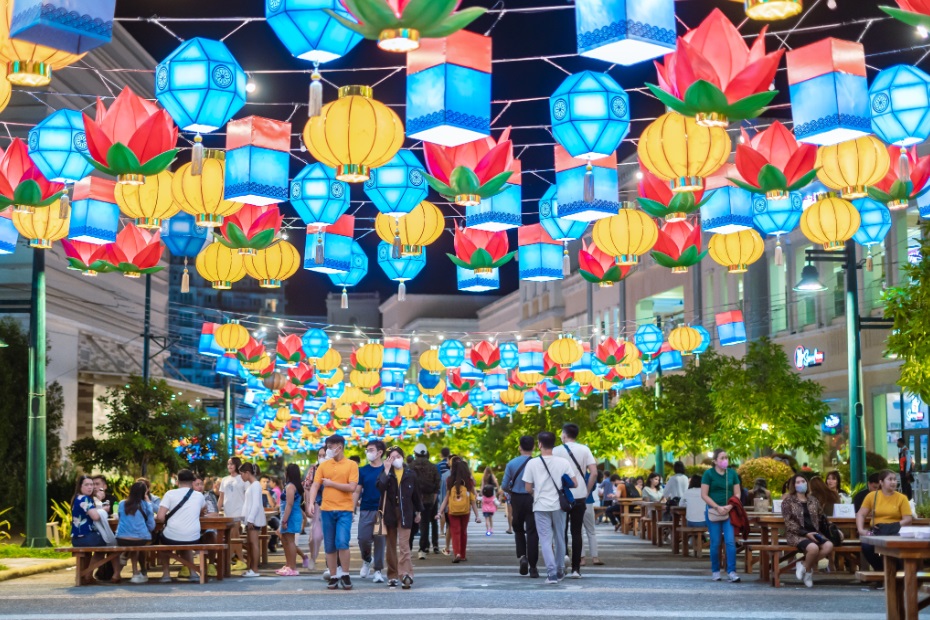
(318, 257)
(589, 183)
(904, 165)
(697, 361)
(345, 299)
(396, 251)
(316, 91)
(779, 255)
(402, 291)
(197, 156)
(868, 261)
(566, 260)
(185, 279)
(64, 206)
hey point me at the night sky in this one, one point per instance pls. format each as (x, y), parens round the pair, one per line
(515, 35)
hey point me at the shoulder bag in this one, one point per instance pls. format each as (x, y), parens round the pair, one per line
(516, 476)
(712, 514)
(380, 529)
(157, 536)
(564, 503)
(584, 475)
(882, 529)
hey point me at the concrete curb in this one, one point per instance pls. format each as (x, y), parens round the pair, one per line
(45, 567)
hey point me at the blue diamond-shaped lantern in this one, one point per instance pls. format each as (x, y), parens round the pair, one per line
(777, 216)
(625, 32)
(401, 269)
(599, 368)
(559, 228)
(330, 251)
(8, 236)
(201, 85)
(398, 186)
(357, 271)
(182, 236)
(705, 339)
(876, 222)
(590, 115)
(452, 353)
(648, 339)
(72, 26)
(318, 197)
(308, 32)
(899, 100)
(315, 343)
(729, 209)
(57, 146)
(510, 355)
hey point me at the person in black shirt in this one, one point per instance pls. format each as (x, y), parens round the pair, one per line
(109, 500)
(873, 484)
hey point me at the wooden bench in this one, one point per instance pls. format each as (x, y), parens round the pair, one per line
(663, 527)
(600, 513)
(863, 576)
(87, 564)
(771, 558)
(691, 534)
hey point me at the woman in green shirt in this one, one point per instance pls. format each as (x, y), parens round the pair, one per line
(718, 485)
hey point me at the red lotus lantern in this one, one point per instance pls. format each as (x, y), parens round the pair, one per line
(298, 405)
(88, 258)
(360, 409)
(317, 391)
(614, 376)
(599, 267)
(895, 189)
(658, 200)
(774, 163)
(302, 374)
(290, 391)
(485, 356)
(546, 396)
(396, 421)
(21, 183)
(610, 352)
(586, 390)
(251, 352)
(455, 400)
(446, 418)
(290, 350)
(516, 382)
(458, 382)
(132, 140)
(713, 76)
(468, 173)
(550, 367)
(267, 371)
(678, 246)
(481, 251)
(251, 228)
(136, 251)
(563, 378)
(912, 12)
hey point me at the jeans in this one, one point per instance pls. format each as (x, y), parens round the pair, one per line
(613, 513)
(337, 528)
(697, 523)
(716, 529)
(550, 525)
(589, 532)
(398, 552)
(366, 538)
(458, 524)
(524, 527)
(575, 524)
(428, 522)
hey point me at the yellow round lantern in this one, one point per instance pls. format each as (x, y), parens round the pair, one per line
(283, 414)
(364, 380)
(627, 235)
(336, 379)
(511, 397)
(684, 339)
(410, 410)
(425, 405)
(530, 378)
(830, 221)
(677, 149)
(429, 361)
(201, 195)
(376, 400)
(29, 64)
(343, 412)
(149, 203)
(273, 265)
(772, 10)
(6, 89)
(231, 337)
(565, 351)
(351, 395)
(330, 361)
(630, 367)
(736, 251)
(43, 226)
(256, 367)
(584, 377)
(436, 391)
(601, 384)
(220, 266)
(370, 355)
(354, 134)
(850, 167)
(413, 231)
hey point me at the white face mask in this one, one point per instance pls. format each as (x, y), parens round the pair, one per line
(330, 453)
(371, 456)
(398, 463)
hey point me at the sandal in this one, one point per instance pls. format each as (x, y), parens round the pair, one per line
(290, 572)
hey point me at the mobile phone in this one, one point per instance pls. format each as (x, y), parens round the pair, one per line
(820, 538)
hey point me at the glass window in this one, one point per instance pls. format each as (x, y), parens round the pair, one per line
(805, 301)
(837, 288)
(778, 297)
(873, 281)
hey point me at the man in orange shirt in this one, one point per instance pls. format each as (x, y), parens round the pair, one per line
(339, 477)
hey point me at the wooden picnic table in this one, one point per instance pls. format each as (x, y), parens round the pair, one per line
(626, 516)
(902, 600)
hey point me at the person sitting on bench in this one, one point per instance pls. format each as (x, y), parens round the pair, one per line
(180, 511)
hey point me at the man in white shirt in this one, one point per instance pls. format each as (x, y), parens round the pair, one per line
(180, 511)
(542, 478)
(584, 468)
(231, 502)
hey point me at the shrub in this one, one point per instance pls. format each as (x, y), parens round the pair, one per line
(633, 472)
(696, 470)
(4, 525)
(775, 472)
(61, 514)
(876, 462)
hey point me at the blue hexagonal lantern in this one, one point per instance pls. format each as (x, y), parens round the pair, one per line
(357, 271)
(650, 365)
(777, 216)
(899, 99)
(400, 270)
(559, 228)
(876, 222)
(182, 236)
(330, 251)
(452, 353)
(590, 115)
(705, 339)
(501, 212)
(73, 26)
(648, 339)
(729, 209)
(473, 282)
(315, 343)
(510, 355)
(318, 197)
(201, 85)
(398, 186)
(599, 368)
(57, 146)
(625, 32)
(8, 236)
(308, 32)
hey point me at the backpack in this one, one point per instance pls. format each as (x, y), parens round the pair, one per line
(459, 500)
(427, 478)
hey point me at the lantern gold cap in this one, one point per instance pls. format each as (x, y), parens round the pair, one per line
(23, 209)
(40, 244)
(467, 200)
(132, 274)
(356, 91)
(148, 222)
(897, 205)
(740, 268)
(27, 73)
(605, 284)
(399, 39)
(770, 10)
(834, 246)
(353, 173)
(711, 119)
(269, 283)
(625, 260)
(411, 250)
(221, 285)
(247, 251)
(687, 184)
(676, 217)
(855, 191)
(679, 269)
(776, 194)
(208, 220)
(218, 154)
(131, 179)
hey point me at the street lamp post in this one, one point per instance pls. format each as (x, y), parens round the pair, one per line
(36, 506)
(660, 453)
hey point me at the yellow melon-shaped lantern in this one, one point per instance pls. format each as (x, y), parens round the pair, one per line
(627, 235)
(330, 361)
(511, 397)
(684, 339)
(677, 149)
(29, 64)
(370, 355)
(530, 378)
(220, 266)
(584, 377)
(851, 167)
(43, 226)
(343, 412)
(630, 367)
(565, 351)
(273, 265)
(830, 221)
(410, 410)
(231, 337)
(364, 380)
(429, 361)
(413, 231)
(736, 251)
(149, 203)
(335, 380)
(435, 391)
(425, 405)
(201, 195)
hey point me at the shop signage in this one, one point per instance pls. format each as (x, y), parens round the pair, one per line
(805, 358)
(831, 424)
(914, 413)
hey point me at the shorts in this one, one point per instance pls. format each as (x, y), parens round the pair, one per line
(337, 529)
(804, 543)
(487, 514)
(92, 539)
(168, 541)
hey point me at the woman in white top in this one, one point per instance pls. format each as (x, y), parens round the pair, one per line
(695, 504)
(253, 515)
(678, 483)
(651, 492)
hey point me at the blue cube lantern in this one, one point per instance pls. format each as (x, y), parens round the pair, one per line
(705, 339)
(182, 236)
(8, 236)
(401, 269)
(207, 344)
(496, 382)
(590, 115)
(829, 92)
(777, 216)
(318, 197)
(876, 222)
(731, 330)
(393, 380)
(729, 209)
(469, 371)
(358, 269)
(560, 229)
(899, 100)
(257, 160)
(398, 186)
(670, 359)
(648, 339)
(449, 89)
(201, 85)
(650, 365)
(510, 355)
(72, 26)
(531, 355)
(58, 146)
(599, 368)
(473, 282)
(396, 354)
(94, 212)
(308, 32)
(629, 384)
(501, 212)
(625, 32)
(452, 353)
(584, 364)
(330, 251)
(571, 176)
(228, 366)
(540, 256)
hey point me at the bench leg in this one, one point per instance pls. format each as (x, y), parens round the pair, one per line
(80, 561)
(203, 567)
(763, 565)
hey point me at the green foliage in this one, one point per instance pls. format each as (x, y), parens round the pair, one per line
(17, 551)
(775, 472)
(144, 422)
(696, 470)
(61, 514)
(4, 525)
(875, 461)
(923, 509)
(633, 472)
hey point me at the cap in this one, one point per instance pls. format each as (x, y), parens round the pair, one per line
(420, 449)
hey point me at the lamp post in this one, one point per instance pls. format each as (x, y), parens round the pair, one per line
(660, 453)
(36, 505)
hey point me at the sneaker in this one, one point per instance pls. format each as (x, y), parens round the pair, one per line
(715, 576)
(575, 575)
(552, 581)
(240, 565)
(326, 575)
(509, 532)
(184, 573)
(488, 533)
(365, 570)
(560, 576)
(799, 571)
(333, 584)
(250, 574)
(436, 551)
(346, 582)
(306, 562)
(378, 578)
(534, 574)
(809, 579)
(446, 552)
(165, 579)
(393, 583)
(406, 582)
(734, 578)
(456, 560)
(524, 565)
(421, 555)
(211, 570)
(140, 578)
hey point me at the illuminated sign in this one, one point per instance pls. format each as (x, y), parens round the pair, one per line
(805, 358)
(913, 254)
(914, 413)
(831, 424)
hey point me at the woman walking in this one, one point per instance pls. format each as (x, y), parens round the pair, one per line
(719, 486)
(292, 518)
(803, 513)
(403, 508)
(460, 500)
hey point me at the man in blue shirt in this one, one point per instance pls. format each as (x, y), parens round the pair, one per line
(521, 505)
(368, 500)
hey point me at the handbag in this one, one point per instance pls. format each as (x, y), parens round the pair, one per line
(713, 515)
(882, 529)
(564, 503)
(833, 533)
(380, 529)
(157, 536)
(584, 475)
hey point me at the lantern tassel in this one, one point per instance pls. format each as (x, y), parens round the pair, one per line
(697, 361)
(402, 292)
(318, 257)
(868, 261)
(185, 279)
(64, 207)
(345, 299)
(197, 156)
(589, 183)
(904, 165)
(396, 250)
(566, 261)
(779, 255)
(316, 91)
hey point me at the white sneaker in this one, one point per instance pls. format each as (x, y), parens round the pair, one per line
(733, 577)
(567, 560)
(378, 578)
(715, 576)
(140, 578)
(364, 570)
(575, 575)
(250, 573)
(326, 575)
(809, 579)
(799, 571)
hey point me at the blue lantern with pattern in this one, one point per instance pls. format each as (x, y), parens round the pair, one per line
(398, 186)
(357, 271)
(899, 100)
(258, 155)
(777, 216)
(560, 229)
(58, 146)
(452, 353)
(308, 32)
(228, 366)
(705, 339)
(72, 26)
(182, 236)
(729, 209)
(496, 382)
(731, 329)
(501, 212)
(590, 115)
(648, 339)
(540, 256)
(400, 270)
(599, 368)
(510, 355)
(392, 380)
(411, 393)
(469, 371)
(315, 343)
(625, 32)
(201, 85)
(876, 222)
(474, 282)
(396, 353)
(330, 251)
(8, 236)
(586, 190)
(94, 212)
(670, 359)
(318, 197)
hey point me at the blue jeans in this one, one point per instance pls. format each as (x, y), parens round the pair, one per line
(716, 529)
(91, 539)
(697, 523)
(337, 527)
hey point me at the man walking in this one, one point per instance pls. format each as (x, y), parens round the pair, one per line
(542, 478)
(521, 503)
(428, 488)
(368, 498)
(581, 516)
(338, 477)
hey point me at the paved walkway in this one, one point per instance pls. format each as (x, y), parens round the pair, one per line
(639, 581)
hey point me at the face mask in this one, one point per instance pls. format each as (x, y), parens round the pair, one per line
(330, 453)
(801, 488)
(398, 463)
(371, 456)
(723, 463)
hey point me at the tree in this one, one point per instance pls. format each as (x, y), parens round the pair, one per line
(761, 402)
(143, 424)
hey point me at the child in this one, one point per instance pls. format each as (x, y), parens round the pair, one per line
(488, 507)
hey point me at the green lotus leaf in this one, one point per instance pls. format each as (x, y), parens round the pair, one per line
(98, 166)
(590, 277)
(77, 264)
(900, 189)
(27, 193)
(222, 241)
(262, 240)
(671, 101)
(908, 17)
(150, 270)
(373, 13)
(751, 106)
(424, 14)
(771, 178)
(235, 236)
(654, 207)
(122, 160)
(159, 163)
(464, 180)
(482, 259)
(454, 23)
(803, 181)
(614, 274)
(744, 185)
(682, 202)
(879, 195)
(101, 266)
(705, 97)
(370, 32)
(503, 260)
(439, 187)
(458, 261)
(691, 256)
(495, 185)
(663, 259)
(5, 202)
